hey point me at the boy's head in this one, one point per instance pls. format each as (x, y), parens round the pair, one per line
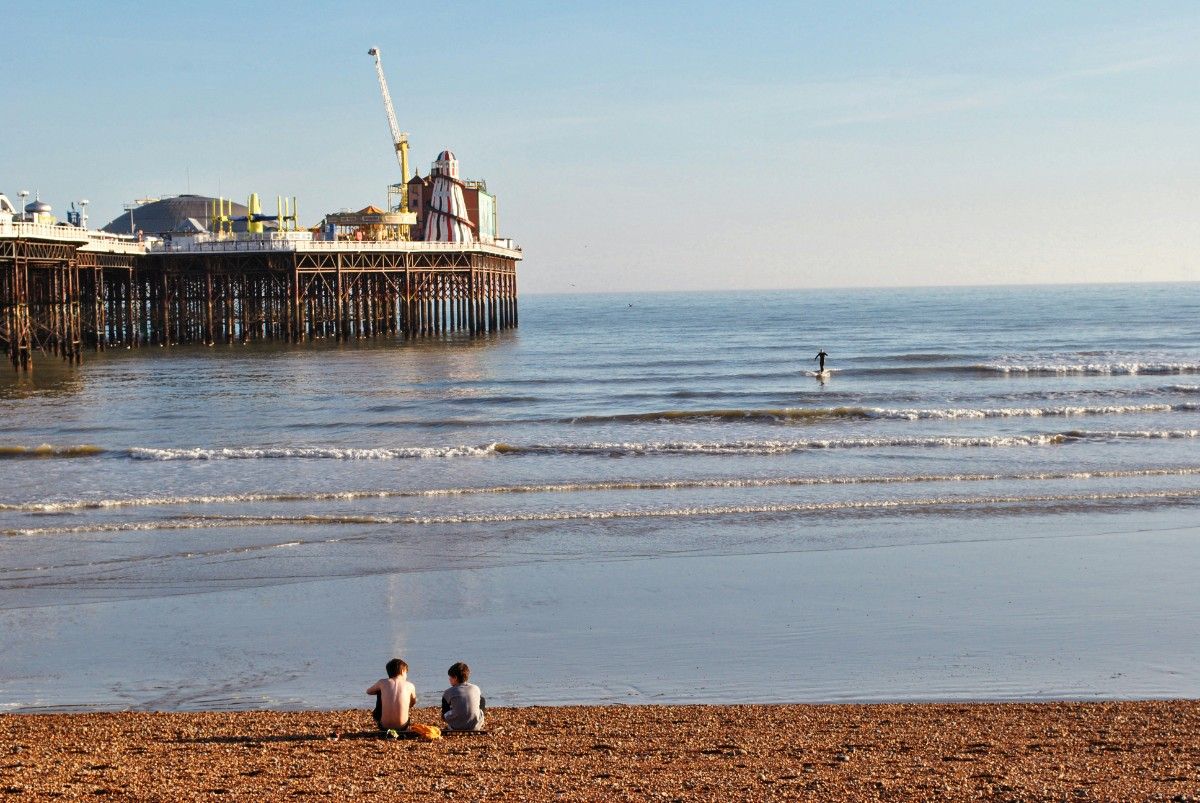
(459, 673)
(396, 667)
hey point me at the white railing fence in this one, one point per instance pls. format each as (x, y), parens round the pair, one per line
(102, 242)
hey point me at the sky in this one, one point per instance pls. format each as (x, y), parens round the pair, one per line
(648, 146)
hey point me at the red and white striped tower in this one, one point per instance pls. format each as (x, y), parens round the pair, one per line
(446, 219)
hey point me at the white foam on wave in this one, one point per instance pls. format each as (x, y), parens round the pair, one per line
(937, 502)
(793, 415)
(1094, 369)
(202, 499)
(763, 447)
(313, 452)
(802, 507)
(782, 447)
(589, 487)
(1134, 434)
(767, 447)
(1063, 411)
(198, 523)
(141, 526)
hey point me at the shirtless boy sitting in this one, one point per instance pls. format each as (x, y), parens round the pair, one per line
(395, 697)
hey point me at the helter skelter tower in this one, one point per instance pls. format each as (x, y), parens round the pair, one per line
(446, 219)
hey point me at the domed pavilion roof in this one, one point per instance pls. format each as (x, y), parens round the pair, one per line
(162, 217)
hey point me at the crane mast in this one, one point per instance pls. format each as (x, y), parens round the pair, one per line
(399, 138)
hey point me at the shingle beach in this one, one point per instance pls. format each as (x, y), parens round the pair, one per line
(1111, 751)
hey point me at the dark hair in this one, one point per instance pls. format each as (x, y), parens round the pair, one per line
(395, 667)
(459, 672)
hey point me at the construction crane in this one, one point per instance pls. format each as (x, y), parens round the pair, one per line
(399, 138)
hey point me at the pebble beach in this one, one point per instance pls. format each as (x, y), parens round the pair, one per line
(1109, 751)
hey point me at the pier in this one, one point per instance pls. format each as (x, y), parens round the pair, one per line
(204, 270)
(64, 290)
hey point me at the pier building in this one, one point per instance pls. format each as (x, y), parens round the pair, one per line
(481, 206)
(160, 217)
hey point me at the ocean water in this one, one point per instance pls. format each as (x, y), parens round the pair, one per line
(994, 494)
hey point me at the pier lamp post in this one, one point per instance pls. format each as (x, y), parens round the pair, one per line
(83, 213)
(24, 215)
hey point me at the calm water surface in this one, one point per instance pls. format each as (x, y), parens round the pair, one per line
(993, 495)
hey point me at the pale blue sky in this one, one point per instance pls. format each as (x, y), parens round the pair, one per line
(654, 145)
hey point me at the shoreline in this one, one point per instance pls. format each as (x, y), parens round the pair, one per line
(1118, 751)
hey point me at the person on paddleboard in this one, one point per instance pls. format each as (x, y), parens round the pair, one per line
(821, 355)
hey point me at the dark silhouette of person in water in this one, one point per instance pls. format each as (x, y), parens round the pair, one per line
(821, 356)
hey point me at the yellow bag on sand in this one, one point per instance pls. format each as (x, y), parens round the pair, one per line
(427, 733)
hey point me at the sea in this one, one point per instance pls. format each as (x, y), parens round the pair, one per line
(993, 494)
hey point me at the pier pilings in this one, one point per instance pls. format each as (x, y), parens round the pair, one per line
(54, 298)
(57, 298)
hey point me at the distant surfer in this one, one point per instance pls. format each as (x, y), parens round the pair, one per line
(821, 356)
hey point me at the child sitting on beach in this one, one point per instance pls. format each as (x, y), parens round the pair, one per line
(462, 704)
(394, 697)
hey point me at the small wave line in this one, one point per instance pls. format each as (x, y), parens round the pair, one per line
(214, 522)
(47, 451)
(590, 487)
(613, 449)
(800, 414)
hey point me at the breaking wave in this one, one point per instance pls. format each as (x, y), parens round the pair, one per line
(46, 450)
(1095, 369)
(620, 449)
(1038, 369)
(931, 503)
(749, 447)
(615, 449)
(588, 487)
(312, 452)
(801, 414)
(768, 447)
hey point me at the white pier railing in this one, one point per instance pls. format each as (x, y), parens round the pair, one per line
(87, 240)
(275, 243)
(43, 231)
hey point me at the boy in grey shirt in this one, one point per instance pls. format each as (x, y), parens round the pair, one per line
(462, 703)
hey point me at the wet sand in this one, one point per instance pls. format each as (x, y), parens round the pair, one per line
(1084, 608)
(1114, 751)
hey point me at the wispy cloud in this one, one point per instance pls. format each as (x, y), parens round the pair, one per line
(879, 99)
(690, 113)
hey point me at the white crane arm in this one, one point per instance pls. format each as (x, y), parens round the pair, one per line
(398, 137)
(400, 141)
